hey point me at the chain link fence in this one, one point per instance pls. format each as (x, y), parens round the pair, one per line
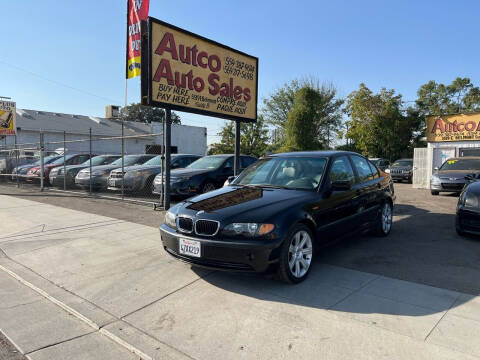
(125, 167)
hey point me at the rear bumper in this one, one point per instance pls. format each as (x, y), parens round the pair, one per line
(225, 254)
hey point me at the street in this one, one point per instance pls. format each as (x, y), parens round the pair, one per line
(88, 279)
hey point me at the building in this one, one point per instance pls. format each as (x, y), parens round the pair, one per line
(140, 137)
(448, 136)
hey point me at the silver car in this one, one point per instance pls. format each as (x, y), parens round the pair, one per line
(140, 177)
(451, 176)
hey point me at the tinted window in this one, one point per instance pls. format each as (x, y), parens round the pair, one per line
(363, 169)
(403, 163)
(246, 162)
(208, 162)
(342, 170)
(461, 164)
(228, 163)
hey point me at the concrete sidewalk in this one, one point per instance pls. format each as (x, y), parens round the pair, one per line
(75, 285)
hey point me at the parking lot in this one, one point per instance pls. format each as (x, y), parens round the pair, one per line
(88, 279)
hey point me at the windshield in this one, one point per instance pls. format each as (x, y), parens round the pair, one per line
(403, 163)
(59, 161)
(128, 161)
(46, 160)
(461, 164)
(285, 172)
(157, 160)
(100, 160)
(207, 162)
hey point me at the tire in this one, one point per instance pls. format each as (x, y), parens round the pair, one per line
(384, 221)
(295, 262)
(207, 187)
(434, 193)
(410, 180)
(459, 231)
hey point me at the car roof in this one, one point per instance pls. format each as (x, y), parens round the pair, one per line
(319, 153)
(227, 155)
(465, 157)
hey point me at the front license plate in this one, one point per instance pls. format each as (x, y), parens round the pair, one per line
(189, 247)
(111, 182)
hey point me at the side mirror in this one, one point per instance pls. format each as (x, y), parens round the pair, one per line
(341, 185)
(435, 168)
(230, 179)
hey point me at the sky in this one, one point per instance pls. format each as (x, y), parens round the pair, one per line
(69, 56)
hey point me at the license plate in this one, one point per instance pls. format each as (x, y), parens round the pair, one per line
(111, 182)
(189, 247)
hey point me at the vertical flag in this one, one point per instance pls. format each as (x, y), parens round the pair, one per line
(137, 10)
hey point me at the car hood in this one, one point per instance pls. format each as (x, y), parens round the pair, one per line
(189, 172)
(455, 174)
(243, 204)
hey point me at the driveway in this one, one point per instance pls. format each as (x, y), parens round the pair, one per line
(79, 285)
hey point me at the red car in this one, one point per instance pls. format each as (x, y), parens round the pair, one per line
(33, 175)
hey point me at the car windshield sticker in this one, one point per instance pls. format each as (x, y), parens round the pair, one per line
(229, 199)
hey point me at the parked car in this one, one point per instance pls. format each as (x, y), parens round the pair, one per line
(278, 211)
(140, 177)
(401, 169)
(467, 220)
(21, 171)
(34, 174)
(56, 176)
(450, 177)
(380, 163)
(203, 175)
(101, 173)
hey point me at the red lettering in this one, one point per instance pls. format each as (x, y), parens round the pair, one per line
(190, 79)
(194, 55)
(167, 44)
(184, 58)
(164, 71)
(470, 126)
(202, 55)
(218, 65)
(214, 87)
(224, 91)
(246, 94)
(237, 93)
(439, 125)
(198, 84)
(460, 127)
(230, 90)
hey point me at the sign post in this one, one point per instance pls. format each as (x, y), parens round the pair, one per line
(187, 72)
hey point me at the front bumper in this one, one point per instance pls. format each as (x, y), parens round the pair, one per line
(97, 182)
(403, 176)
(468, 220)
(225, 254)
(176, 188)
(129, 184)
(446, 186)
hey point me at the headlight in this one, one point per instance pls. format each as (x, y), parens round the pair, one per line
(170, 220)
(99, 172)
(387, 171)
(435, 179)
(248, 229)
(470, 200)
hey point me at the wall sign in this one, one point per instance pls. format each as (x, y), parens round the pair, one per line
(7, 118)
(460, 127)
(187, 72)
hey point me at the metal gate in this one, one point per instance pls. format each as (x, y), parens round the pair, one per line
(422, 168)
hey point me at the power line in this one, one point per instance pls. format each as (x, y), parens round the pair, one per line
(58, 82)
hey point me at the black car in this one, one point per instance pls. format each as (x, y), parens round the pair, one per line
(402, 169)
(203, 175)
(278, 211)
(468, 208)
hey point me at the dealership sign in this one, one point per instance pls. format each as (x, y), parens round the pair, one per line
(190, 73)
(460, 127)
(7, 118)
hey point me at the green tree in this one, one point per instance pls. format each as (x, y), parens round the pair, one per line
(301, 126)
(379, 127)
(146, 114)
(328, 109)
(253, 138)
(440, 99)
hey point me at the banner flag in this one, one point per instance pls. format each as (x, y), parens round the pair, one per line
(137, 10)
(7, 118)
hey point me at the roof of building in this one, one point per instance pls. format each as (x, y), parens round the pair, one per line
(35, 120)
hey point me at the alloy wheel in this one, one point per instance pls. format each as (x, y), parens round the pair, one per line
(300, 254)
(386, 218)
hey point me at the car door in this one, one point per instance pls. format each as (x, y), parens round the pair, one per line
(337, 212)
(366, 189)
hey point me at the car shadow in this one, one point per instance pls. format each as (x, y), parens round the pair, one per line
(412, 272)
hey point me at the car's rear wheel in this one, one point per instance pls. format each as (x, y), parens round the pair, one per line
(434, 193)
(207, 187)
(296, 255)
(384, 220)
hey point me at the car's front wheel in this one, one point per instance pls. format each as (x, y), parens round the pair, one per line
(434, 193)
(384, 220)
(296, 255)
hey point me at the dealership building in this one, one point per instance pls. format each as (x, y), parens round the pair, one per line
(139, 137)
(448, 136)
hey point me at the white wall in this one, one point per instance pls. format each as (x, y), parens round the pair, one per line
(188, 139)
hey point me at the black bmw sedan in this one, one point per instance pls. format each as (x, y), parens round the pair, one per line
(278, 211)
